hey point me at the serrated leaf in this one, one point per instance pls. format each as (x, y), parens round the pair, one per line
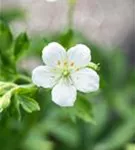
(4, 87)
(7, 66)
(26, 90)
(21, 44)
(28, 104)
(5, 100)
(5, 36)
(14, 109)
(17, 106)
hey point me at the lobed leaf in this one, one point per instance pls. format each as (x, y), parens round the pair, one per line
(21, 44)
(5, 37)
(28, 104)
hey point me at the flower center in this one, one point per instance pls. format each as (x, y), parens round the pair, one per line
(66, 68)
(65, 72)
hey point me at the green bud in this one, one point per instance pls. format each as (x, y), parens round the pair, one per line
(5, 86)
(94, 66)
(5, 101)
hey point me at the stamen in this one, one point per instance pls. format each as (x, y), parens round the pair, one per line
(72, 64)
(77, 69)
(58, 62)
(65, 73)
(65, 63)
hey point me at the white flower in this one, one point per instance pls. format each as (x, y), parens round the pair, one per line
(66, 72)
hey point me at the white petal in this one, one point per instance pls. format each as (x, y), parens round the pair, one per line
(86, 80)
(64, 94)
(43, 76)
(79, 55)
(53, 54)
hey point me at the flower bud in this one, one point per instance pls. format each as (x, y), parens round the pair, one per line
(94, 66)
(5, 101)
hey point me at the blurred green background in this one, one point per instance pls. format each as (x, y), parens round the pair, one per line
(54, 128)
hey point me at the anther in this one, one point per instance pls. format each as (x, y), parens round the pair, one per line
(65, 63)
(72, 64)
(58, 62)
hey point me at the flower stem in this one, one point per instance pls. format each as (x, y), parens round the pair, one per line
(27, 86)
(72, 4)
(23, 77)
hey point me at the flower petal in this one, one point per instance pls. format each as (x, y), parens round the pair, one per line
(79, 55)
(43, 76)
(86, 80)
(53, 54)
(64, 94)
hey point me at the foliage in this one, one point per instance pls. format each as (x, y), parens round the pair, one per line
(12, 14)
(111, 110)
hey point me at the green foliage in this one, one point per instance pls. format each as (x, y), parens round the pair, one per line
(113, 107)
(11, 93)
(17, 95)
(28, 104)
(131, 147)
(21, 44)
(101, 121)
(82, 110)
(10, 51)
(11, 14)
(5, 37)
(6, 59)
(5, 100)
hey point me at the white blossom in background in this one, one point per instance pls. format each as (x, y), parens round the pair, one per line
(66, 72)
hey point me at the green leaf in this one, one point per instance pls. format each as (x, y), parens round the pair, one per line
(12, 14)
(65, 132)
(5, 100)
(66, 38)
(119, 136)
(84, 109)
(27, 90)
(21, 44)
(7, 67)
(28, 104)
(17, 108)
(5, 36)
(130, 147)
(14, 109)
(4, 87)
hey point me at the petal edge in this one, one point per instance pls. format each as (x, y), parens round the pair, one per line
(53, 53)
(64, 94)
(86, 80)
(80, 55)
(43, 76)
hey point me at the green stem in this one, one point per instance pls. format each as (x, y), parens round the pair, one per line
(23, 77)
(72, 4)
(6, 84)
(27, 86)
